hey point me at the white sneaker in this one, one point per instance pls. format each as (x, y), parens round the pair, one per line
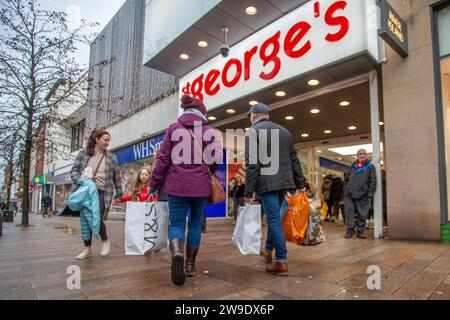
(106, 248)
(86, 254)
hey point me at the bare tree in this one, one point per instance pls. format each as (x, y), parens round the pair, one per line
(9, 158)
(36, 48)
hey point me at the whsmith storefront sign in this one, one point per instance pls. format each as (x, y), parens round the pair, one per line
(315, 35)
(393, 29)
(139, 151)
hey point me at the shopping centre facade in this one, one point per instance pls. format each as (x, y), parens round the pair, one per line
(325, 70)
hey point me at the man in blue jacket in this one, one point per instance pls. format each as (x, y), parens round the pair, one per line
(360, 185)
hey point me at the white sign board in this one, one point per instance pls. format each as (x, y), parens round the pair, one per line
(314, 35)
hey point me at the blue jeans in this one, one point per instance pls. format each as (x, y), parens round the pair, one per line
(178, 209)
(283, 210)
(204, 221)
(272, 202)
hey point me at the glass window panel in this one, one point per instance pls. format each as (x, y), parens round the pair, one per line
(445, 78)
(444, 31)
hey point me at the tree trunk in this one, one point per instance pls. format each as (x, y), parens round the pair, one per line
(26, 172)
(8, 187)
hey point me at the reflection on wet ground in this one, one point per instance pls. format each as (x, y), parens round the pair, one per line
(334, 270)
(67, 229)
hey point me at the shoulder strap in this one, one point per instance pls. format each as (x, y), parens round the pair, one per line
(199, 146)
(98, 165)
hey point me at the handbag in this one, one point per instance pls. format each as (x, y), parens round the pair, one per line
(217, 193)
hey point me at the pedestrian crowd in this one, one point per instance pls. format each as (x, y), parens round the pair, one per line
(187, 182)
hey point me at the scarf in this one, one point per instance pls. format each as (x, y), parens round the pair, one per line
(360, 164)
(196, 112)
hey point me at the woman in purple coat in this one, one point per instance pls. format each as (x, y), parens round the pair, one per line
(181, 168)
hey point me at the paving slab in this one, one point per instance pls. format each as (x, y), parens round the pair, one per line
(441, 293)
(34, 261)
(422, 286)
(299, 288)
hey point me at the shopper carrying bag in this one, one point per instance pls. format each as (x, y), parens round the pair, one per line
(106, 178)
(188, 182)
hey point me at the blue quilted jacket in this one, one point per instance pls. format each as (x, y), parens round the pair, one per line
(85, 200)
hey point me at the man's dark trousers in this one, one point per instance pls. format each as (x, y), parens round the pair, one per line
(352, 206)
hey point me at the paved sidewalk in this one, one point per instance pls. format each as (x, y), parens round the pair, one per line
(33, 264)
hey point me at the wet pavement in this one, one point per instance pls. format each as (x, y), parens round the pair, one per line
(34, 261)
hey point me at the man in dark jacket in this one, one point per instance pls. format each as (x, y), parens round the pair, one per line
(360, 185)
(336, 192)
(272, 169)
(46, 204)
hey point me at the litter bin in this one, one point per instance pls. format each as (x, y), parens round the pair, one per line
(8, 216)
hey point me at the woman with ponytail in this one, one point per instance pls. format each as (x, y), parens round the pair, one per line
(107, 180)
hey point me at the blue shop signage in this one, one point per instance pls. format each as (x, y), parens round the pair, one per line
(333, 165)
(139, 151)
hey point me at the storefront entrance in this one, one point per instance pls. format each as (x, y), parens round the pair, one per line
(329, 125)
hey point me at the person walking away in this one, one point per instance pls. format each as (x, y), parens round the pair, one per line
(271, 186)
(326, 187)
(360, 183)
(239, 191)
(336, 193)
(186, 182)
(46, 204)
(107, 180)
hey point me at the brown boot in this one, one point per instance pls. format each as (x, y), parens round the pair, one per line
(278, 269)
(191, 254)
(266, 255)
(178, 275)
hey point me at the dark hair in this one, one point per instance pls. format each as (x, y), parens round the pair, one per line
(92, 140)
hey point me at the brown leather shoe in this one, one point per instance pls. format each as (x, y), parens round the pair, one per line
(191, 254)
(278, 269)
(178, 273)
(266, 255)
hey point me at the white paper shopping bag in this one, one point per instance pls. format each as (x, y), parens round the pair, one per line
(146, 227)
(248, 231)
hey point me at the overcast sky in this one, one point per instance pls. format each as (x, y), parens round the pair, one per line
(100, 11)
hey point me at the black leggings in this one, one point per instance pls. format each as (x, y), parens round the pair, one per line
(103, 235)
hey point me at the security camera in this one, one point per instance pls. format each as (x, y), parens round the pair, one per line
(225, 47)
(225, 50)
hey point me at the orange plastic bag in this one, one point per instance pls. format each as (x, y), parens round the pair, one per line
(296, 219)
(324, 210)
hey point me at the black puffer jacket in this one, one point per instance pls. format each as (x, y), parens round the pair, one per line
(337, 189)
(289, 174)
(360, 183)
